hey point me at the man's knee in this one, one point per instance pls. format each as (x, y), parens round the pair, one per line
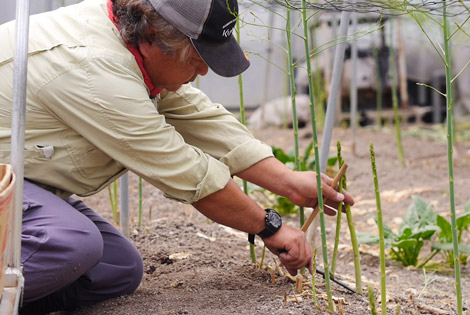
(137, 272)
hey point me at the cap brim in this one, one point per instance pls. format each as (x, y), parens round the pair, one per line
(226, 59)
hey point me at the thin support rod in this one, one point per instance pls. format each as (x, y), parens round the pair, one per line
(353, 93)
(20, 65)
(124, 200)
(334, 90)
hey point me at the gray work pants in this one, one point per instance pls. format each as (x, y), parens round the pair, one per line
(65, 243)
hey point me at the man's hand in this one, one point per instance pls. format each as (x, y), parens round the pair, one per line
(298, 187)
(303, 194)
(292, 248)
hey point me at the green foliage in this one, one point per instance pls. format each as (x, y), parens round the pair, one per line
(445, 237)
(420, 223)
(307, 163)
(279, 203)
(418, 226)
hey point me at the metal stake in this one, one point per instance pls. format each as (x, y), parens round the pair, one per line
(334, 90)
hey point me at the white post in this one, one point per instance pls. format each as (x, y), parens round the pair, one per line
(124, 201)
(20, 65)
(14, 281)
(353, 93)
(334, 90)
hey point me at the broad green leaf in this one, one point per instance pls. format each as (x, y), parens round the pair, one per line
(409, 219)
(449, 246)
(446, 229)
(406, 243)
(406, 234)
(463, 222)
(425, 233)
(282, 156)
(366, 238)
(285, 206)
(426, 214)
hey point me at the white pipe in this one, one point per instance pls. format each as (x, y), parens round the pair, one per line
(334, 90)
(353, 93)
(124, 201)
(20, 65)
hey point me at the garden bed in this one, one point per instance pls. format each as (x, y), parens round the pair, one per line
(194, 266)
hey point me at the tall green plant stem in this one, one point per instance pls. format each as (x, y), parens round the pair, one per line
(352, 229)
(449, 104)
(317, 165)
(401, 154)
(370, 292)
(337, 231)
(314, 290)
(295, 122)
(338, 214)
(113, 198)
(383, 285)
(139, 221)
(243, 121)
(378, 81)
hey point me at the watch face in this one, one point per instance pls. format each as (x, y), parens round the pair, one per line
(273, 219)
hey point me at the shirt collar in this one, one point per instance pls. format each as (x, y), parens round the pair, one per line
(137, 55)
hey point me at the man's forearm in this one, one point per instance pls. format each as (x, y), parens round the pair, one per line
(269, 173)
(231, 207)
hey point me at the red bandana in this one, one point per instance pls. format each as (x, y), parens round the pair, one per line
(138, 57)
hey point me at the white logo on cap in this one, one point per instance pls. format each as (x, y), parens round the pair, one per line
(228, 32)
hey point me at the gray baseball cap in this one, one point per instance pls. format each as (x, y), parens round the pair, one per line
(209, 25)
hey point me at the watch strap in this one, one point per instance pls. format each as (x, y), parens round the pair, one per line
(266, 232)
(251, 239)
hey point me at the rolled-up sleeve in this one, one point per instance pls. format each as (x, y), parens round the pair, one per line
(210, 127)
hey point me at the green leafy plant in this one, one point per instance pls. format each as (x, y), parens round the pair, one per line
(445, 237)
(381, 239)
(306, 163)
(419, 225)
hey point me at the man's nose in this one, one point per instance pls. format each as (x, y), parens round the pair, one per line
(202, 69)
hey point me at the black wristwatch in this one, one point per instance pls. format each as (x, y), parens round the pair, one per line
(273, 223)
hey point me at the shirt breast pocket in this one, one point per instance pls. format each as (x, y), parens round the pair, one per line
(88, 160)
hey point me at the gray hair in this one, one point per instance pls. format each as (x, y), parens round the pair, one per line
(139, 23)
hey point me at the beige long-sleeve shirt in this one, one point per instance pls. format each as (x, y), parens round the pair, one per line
(89, 117)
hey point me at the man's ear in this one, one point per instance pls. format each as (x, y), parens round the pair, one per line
(145, 49)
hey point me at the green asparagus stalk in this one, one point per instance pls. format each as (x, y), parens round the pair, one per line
(352, 229)
(338, 215)
(317, 165)
(383, 286)
(314, 267)
(370, 292)
(243, 121)
(295, 123)
(450, 135)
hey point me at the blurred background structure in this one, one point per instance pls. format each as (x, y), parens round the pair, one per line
(264, 40)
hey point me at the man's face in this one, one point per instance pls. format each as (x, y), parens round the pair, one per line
(169, 72)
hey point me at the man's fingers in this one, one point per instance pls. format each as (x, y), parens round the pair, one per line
(332, 194)
(297, 258)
